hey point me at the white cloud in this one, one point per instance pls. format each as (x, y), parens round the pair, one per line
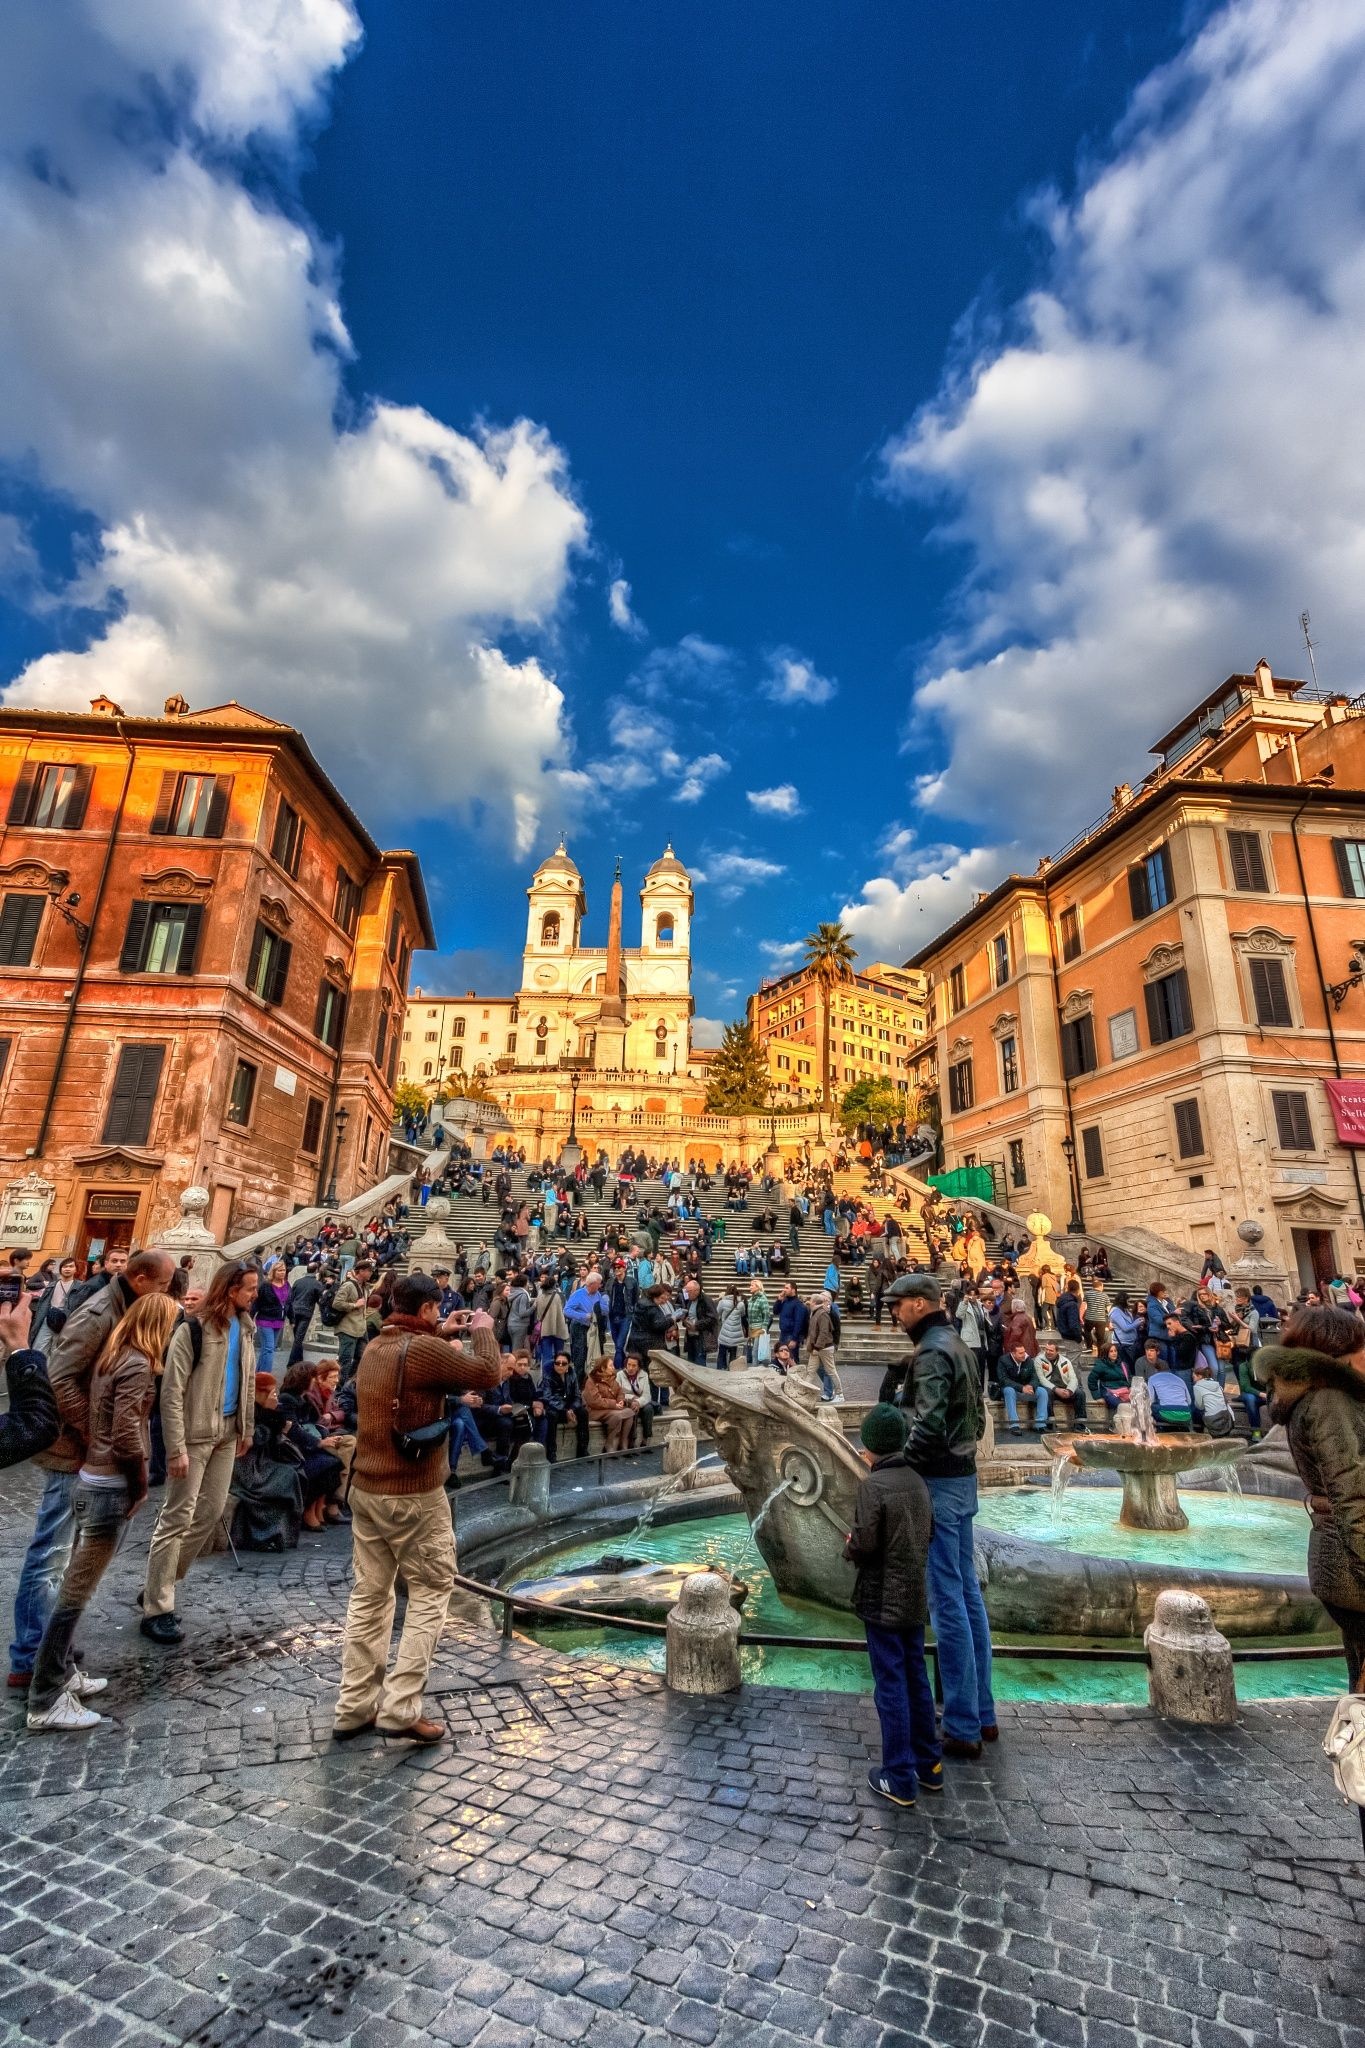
(782, 952)
(171, 351)
(1148, 470)
(646, 752)
(921, 891)
(690, 666)
(707, 1031)
(782, 802)
(730, 874)
(698, 776)
(791, 679)
(622, 613)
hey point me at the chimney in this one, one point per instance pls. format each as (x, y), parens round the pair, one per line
(175, 707)
(105, 707)
(1265, 682)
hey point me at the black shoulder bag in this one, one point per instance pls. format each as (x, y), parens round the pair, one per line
(413, 1444)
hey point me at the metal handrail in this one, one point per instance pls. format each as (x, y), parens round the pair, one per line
(514, 1603)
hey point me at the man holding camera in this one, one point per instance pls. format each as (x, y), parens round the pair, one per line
(400, 1517)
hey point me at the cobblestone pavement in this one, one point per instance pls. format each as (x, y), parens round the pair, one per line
(592, 1860)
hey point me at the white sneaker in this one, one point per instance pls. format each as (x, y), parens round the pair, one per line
(82, 1688)
(64, 1713)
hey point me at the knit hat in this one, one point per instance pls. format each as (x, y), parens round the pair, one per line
(883, 1431)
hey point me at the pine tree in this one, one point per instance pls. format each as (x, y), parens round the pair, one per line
(737, 1078)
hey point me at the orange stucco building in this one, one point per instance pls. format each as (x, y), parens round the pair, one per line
(1142, 1034)
(203, 969)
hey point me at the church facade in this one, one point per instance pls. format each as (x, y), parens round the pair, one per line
(608, 1009)
(599, 1036)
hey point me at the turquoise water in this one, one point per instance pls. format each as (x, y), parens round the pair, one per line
(1227, 1532)
(724, 1540)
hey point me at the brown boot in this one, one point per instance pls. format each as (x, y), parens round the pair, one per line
(953, 1745)
(416, 1731)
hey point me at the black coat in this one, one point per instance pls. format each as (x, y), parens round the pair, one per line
(1321, 1402)
(893, 1522)
(33, 1422)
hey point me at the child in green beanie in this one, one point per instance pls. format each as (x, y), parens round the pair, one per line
(889, 1543)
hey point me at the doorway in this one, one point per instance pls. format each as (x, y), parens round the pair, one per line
(108, 1224)
(1315, 1256)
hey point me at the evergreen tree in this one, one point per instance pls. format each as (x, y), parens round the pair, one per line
(737, 1078)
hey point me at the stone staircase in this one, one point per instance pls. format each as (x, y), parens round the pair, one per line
(473, 1222)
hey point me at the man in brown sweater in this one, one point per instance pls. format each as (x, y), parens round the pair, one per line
(400, 1515)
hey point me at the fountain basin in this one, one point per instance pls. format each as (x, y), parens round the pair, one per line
(639, 1588)
(1149, 1471)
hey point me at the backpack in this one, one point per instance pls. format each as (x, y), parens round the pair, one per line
(328, 1309)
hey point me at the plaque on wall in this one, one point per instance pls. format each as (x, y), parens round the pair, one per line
(24, 1214)
(1123, 1034)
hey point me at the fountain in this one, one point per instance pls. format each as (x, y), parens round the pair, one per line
(1048, 1566)
(1148, 1464)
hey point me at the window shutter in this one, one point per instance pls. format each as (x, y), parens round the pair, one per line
(1189, 1129)
(320, 1007)
(135, 939)
(1248, 864)
(279, 971)
(20, 918)
(1137, 892)
(21, 801)
(5, 1044)
(339, 1039)
(218, 807)
(1269, 995)
(1155, 1027)
(1182, 1010)
(1167, 872)
(1092, 1149)
(189, 940)
(165, 803)
(133, 1097)
(73, 811)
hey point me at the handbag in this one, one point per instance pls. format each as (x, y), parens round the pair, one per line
(413, 1444)
(1344, 1747)
(763, 1349)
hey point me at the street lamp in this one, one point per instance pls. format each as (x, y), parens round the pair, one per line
(1077, 1222)
(65, 904)
(342, 1118)
(772, 1160)
(572, 1152)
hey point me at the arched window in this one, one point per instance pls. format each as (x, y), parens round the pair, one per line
(663, 932)
(549, 928)
(426, 1066)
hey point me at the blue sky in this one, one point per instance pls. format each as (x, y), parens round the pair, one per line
(831, 438)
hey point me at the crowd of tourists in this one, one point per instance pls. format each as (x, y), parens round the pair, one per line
(126, 1380)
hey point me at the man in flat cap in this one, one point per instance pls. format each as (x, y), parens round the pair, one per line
(945, 1409)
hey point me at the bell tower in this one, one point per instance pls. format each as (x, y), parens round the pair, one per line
(666, 913)
(557, 908)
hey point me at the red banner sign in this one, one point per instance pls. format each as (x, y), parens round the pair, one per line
(1348, 1110)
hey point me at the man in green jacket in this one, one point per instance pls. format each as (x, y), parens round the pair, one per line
(945, 1408)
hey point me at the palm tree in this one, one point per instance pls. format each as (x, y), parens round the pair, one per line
(830, 955)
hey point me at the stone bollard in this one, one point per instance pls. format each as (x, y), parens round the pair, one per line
(703, 1638)
(680, 1449)
(1190, 1677)
(529, 1485)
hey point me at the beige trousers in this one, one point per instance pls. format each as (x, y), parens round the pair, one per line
(393, 1535)
(190, 1513)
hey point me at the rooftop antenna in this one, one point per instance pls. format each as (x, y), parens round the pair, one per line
(1304, 623)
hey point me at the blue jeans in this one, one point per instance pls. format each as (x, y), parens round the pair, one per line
(1010, 1397)
(958, 1612)
(905, 1706)
(464, 1435)
(267, 1337)
(45, 1561)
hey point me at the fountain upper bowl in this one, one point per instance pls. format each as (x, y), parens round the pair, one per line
(1168, 1454)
